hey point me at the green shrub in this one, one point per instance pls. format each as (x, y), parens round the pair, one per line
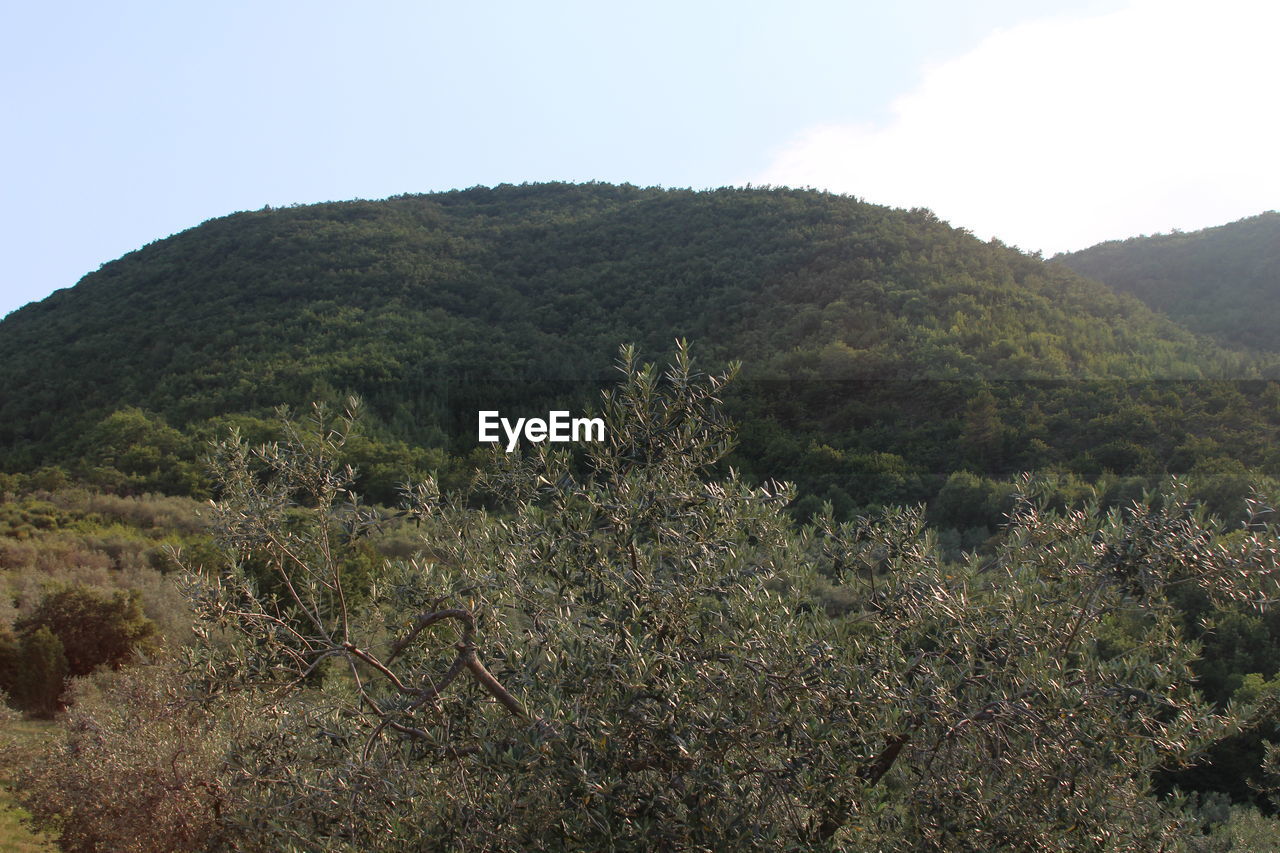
(40, 674)
(136, 768)
(621, 652)
(96, 627)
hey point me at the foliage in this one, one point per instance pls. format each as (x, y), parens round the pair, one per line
(95, 627)
(1228, 828)
(137, 767)
(19, 738)
(97, 543)
(9, 658)
(1218, 281)
(1248, 831)
(133, 451)
(887, 350)
(41, 671)
(622, 653)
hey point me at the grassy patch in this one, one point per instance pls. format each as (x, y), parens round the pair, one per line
(15, 837)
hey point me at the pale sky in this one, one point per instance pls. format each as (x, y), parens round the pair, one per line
(1051, 124)
(1059, 133)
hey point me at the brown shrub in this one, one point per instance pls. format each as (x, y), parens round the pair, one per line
(138, 768)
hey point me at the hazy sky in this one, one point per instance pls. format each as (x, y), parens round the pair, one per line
(1051, 125)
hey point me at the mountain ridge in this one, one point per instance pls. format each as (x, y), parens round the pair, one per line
(435, 306)
(1222, 281)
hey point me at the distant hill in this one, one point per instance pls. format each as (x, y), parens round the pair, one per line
(1223, 282)
(884, 349)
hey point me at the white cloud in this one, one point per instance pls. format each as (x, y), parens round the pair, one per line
(1057, 134)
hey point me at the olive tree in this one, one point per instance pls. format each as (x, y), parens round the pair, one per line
(137, 766)
(624, 646)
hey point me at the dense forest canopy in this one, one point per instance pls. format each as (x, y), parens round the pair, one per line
(884, 350)
(1223, 281)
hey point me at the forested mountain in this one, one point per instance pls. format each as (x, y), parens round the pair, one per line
(888, 359)
(884, 350)
(1223, 281)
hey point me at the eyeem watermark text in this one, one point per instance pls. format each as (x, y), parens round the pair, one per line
(558, 426)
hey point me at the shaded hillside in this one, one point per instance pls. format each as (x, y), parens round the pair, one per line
(434, 306)
(1223, 282)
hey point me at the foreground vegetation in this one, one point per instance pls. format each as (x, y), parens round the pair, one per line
(629, 648)
(17, 737)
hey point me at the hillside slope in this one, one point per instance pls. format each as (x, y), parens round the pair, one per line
(1223, 281)
(434, 306)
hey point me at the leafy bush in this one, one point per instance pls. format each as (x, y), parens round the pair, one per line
(137, 768)
(96, 627)
(621, 652)
(38, 677)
